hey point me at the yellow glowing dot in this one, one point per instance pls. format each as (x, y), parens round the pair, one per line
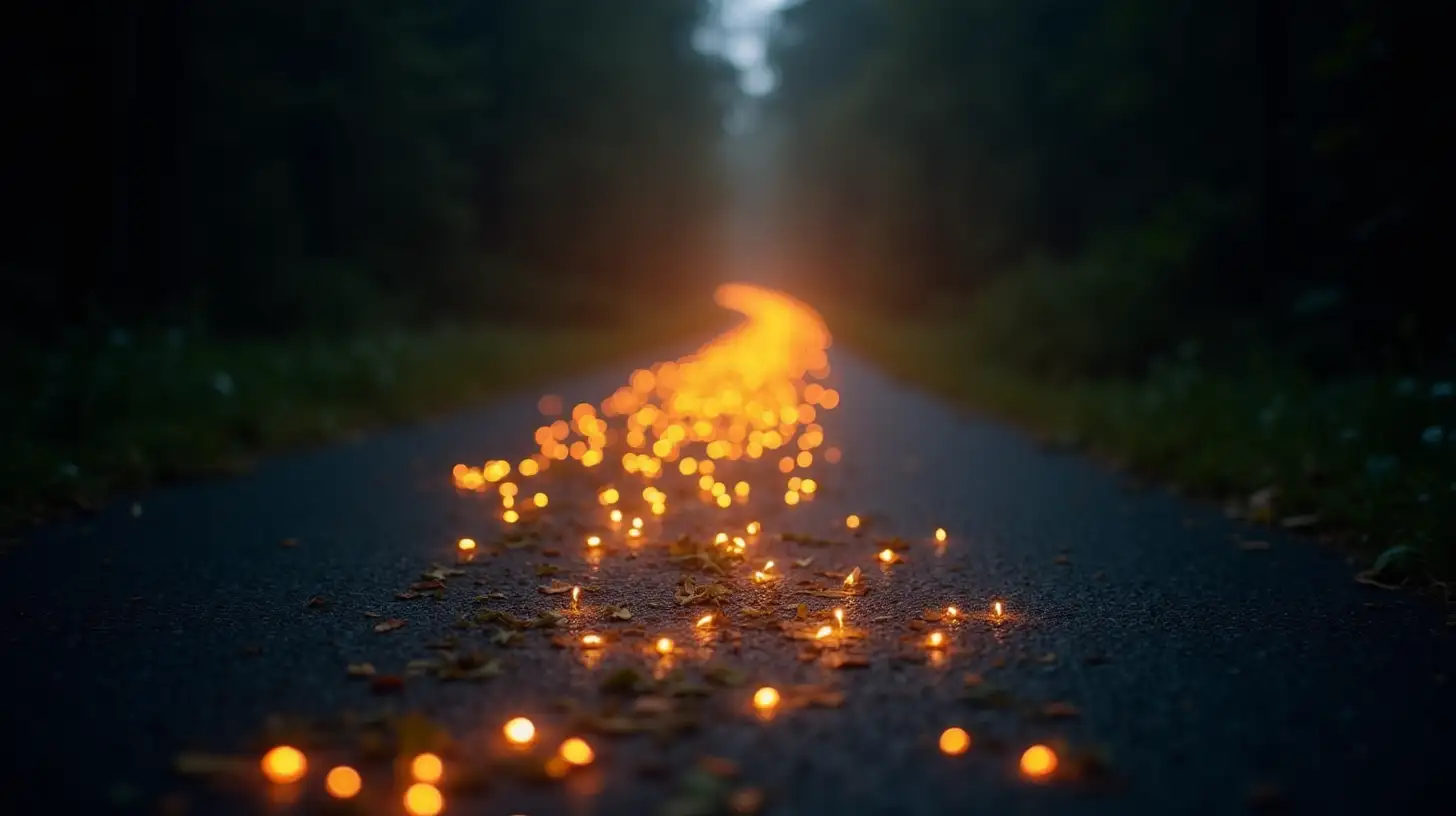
(284, 764)
(804, 459)
(766, 698)
(423, 799)
(759, 576)
(705, 482)
(343, 782)
(576, 751)
(795, 482)
(688, 466)
(786, 464)
(634, 533)
(954, 741)
(637, 522)
(539, 499)
(951, 611)
(852, 522)
(508, 502)
(739, 543)
(1038, 761)
(997, 609)
(791, 498)
(528, 467)
(591, 641)
(610, 496)
(575, 595)
(616, 515)
(824, 632)
(753, 528)
(719, 489)
(520, 731)
(467, 544)
(940, 534)
(427, 768)
(658, 508)
(768, 566)
(725, 501)
(887, 556)
(721, 538)
(741, 489)
(594, 541)
(705, 620)
(509, 489)
(839, 617)
(936, 640)
(809, 486)
(664, 645)
(510, 517)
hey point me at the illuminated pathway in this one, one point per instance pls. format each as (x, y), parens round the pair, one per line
(1159, 666)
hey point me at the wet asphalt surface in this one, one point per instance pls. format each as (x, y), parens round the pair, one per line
(1203, 677)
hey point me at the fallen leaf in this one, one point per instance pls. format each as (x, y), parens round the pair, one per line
(556, 587)
(1295, 522)
(470, 670)
(751, 612)
(197, 763)
(361, 670)
(423, 666)
(1058, 709)
(802, 612)
(316, 602)
(387, 684)
(427, 586)
(617, 612)
(372, 615)
(1049, 657)
(389, 625)
(543, 570)
(625, 680)
(652, 705)
(846, 660)
(803, 562)
(932, 615)
(506, 637)
(725, 676)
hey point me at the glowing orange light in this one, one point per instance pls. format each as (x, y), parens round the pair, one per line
(704, 621)
(658, 508)
(467, 544)
(804, 459)
(343, 782)
(852, 522)
(753, 528)
(539, 499)
(284, 764)
(509, 489)
(887, 556)
(839, 617)
(766, 698)
(832, 455)
(721, 538)
(951, 611)
(768, 566)
(786, 464)
(852, 577)
(575, 595)
(936, 640)
(520, 731)
(724, 501)
(423, 799)
(1038, 761)
(427, 768)
(634, 533)
(997, 609)
(510, 517)
(528, 467)
(637, 522)
(954, 741)
(809, 486)
(824, 632)
(739, 543)
(741, 490)
(616, 515)
(591, 641)
(759, 576)
(940, 534)
(664, 645)
(791, 498)
(609, 496)
(594, 541)
(576, 751)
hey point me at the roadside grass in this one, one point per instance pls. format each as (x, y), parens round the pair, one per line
(1370, 463)
(81, 423)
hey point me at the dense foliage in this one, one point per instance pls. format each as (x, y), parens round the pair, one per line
(1152, 172)
(259, 165)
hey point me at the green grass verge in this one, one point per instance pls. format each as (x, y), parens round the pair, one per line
(1374, 459)
(80, 424)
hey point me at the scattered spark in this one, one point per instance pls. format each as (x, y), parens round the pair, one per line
(594, 541)
(705, 621)
(637, 522)
(936, 640)
(839, 617)
(940, 534)
(809, 486)
(343, 782)
(753, 528)
(832, 455)
(664, 646)
(997, 610)
(804, 459)
(721, 538)
(852, 577)
(467, 544)
(423, 799)
(954, 741)
(616, 516)
(591, 641)
(951, 612)
(1038, 761)
(739, 543)
(791, 498)
(520, 731)
(852, 522)
(768, 566)
(658, 508)
(539, 499)
(576, 751)
(741, 490)
(887, 556)
(824, 632)
(759, 576)
(609, 496)
(634, 533)
(575, 595)
(510, 517)
(766, 698)
(509, 489)
(284, 764)
(427, 768)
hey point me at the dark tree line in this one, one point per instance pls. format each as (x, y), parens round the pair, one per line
(1254, 167)
(259, 165)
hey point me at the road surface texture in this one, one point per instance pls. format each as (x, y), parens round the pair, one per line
(1174, 670)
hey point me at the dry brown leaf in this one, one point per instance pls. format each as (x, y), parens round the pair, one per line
(803, 562)
(361, 670)
(389, 625)
(556, 587)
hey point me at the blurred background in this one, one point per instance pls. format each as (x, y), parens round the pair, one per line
(242, 224)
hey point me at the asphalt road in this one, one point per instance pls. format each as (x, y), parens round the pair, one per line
(1203, 677)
